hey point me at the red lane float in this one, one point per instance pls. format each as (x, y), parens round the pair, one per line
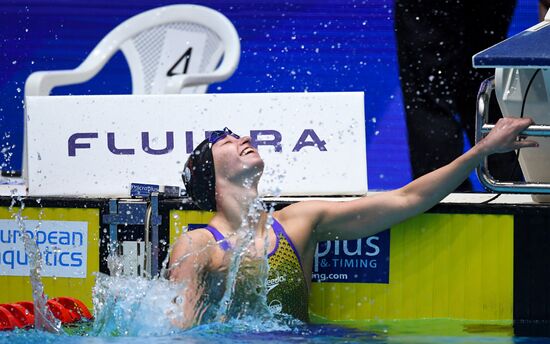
(21, 314)
(75, 307)
(7, 321)
(29, 306)
(61, 313)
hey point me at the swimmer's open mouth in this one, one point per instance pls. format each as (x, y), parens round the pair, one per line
(247, 151)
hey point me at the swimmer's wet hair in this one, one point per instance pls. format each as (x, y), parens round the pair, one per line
(199, 177)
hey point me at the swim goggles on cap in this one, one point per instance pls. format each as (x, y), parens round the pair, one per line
(218, 135)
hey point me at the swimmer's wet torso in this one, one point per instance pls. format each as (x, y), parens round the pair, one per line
(276, 285)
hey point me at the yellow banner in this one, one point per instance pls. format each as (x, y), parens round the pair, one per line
(441, 266)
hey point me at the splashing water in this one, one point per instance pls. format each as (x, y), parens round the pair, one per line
(247, 277)
(43, 317)
(135, 306)
(234, 297)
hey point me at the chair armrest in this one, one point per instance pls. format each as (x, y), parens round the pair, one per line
(41, 83)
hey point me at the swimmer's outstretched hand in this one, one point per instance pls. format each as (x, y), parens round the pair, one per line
(504, 137)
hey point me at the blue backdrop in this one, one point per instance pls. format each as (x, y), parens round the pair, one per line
(293, 46)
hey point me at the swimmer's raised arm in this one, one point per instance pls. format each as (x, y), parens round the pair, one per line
(370, 215)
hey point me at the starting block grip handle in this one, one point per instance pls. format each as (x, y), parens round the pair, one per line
(482, 128)
(532, 130)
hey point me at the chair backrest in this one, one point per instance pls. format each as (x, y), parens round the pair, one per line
(171, 49)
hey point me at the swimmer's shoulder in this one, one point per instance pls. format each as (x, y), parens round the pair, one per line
(299, 221)
(189, 252)
(196, 237)
(304, 215)
(191, 241)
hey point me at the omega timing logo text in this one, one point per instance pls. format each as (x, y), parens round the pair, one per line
(347, 253)
(364, 260)
(273, 138)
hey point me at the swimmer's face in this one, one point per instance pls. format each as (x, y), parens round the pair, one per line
(236, 159)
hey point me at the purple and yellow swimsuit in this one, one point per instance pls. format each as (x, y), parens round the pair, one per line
(287, 290)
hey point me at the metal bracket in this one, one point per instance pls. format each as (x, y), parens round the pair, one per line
(153, 220)
(482, 128)
(132, 212)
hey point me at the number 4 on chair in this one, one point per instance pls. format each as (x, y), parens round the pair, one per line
(183, 60)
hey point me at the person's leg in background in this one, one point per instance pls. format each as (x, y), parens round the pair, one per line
(436, 40)
(429, 39)
(488, 24)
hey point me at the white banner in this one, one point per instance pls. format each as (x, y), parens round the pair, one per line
(62, 244)
(96, 146)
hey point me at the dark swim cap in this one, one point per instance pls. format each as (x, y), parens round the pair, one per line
(199, 177)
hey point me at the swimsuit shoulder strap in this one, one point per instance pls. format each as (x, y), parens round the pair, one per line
(279, 230)
(277, 227)
(218, 237)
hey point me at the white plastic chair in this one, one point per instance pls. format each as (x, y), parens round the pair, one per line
(171, 49)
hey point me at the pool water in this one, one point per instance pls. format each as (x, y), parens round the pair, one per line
(250, 331)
